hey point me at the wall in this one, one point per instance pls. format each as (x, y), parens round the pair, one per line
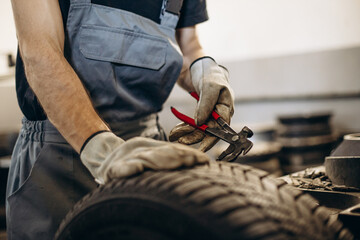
(8, 40)
(247, 29)
(10, 118)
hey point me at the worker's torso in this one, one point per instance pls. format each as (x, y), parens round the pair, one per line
(128, 63)
(124, 52)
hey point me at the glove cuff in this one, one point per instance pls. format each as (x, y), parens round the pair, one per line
(201, 58)
(204, 69)
(97, 149)
(89, 138)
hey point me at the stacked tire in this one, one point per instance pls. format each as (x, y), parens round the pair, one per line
(306, 140)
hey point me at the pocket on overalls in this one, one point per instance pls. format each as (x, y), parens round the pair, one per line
(56, 182)
(123, 46)
(20, 217)
(23, 169)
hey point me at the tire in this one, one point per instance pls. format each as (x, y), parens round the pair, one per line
(219, 200)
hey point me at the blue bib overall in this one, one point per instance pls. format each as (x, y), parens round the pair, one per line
(128, 64)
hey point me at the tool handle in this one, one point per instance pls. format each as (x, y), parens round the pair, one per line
(213, 113)
(188, 120)
(195, 95)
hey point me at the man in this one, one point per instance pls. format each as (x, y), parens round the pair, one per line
(92, 74)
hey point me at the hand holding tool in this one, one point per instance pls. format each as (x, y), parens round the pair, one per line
(238, 141)
(211, 82)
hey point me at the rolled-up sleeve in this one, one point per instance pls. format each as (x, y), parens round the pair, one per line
(192, 12)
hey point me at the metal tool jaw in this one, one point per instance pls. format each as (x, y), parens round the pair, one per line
(239, 142)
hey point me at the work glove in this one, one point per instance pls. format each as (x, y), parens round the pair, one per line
(107, 156)
(211, 83)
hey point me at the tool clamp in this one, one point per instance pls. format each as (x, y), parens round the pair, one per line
(238, 141)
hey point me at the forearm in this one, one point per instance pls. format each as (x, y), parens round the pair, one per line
(62, 95)
(190, 46)
(40, 33)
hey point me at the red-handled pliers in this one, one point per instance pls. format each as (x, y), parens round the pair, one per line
(238, 141)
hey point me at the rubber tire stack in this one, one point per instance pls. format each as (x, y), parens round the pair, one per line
(306, 140)
(213, 201)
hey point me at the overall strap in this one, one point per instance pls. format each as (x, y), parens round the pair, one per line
(170, 12)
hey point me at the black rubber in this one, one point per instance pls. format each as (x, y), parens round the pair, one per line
(219, 200)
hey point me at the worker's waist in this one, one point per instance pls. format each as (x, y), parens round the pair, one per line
(45, 131)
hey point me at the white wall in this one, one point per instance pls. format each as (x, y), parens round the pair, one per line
(10, 114)
(243, 29)
(8, 42)
(10, 118)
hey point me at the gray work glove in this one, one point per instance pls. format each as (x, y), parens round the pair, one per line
(107, 156)
(211, 83)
